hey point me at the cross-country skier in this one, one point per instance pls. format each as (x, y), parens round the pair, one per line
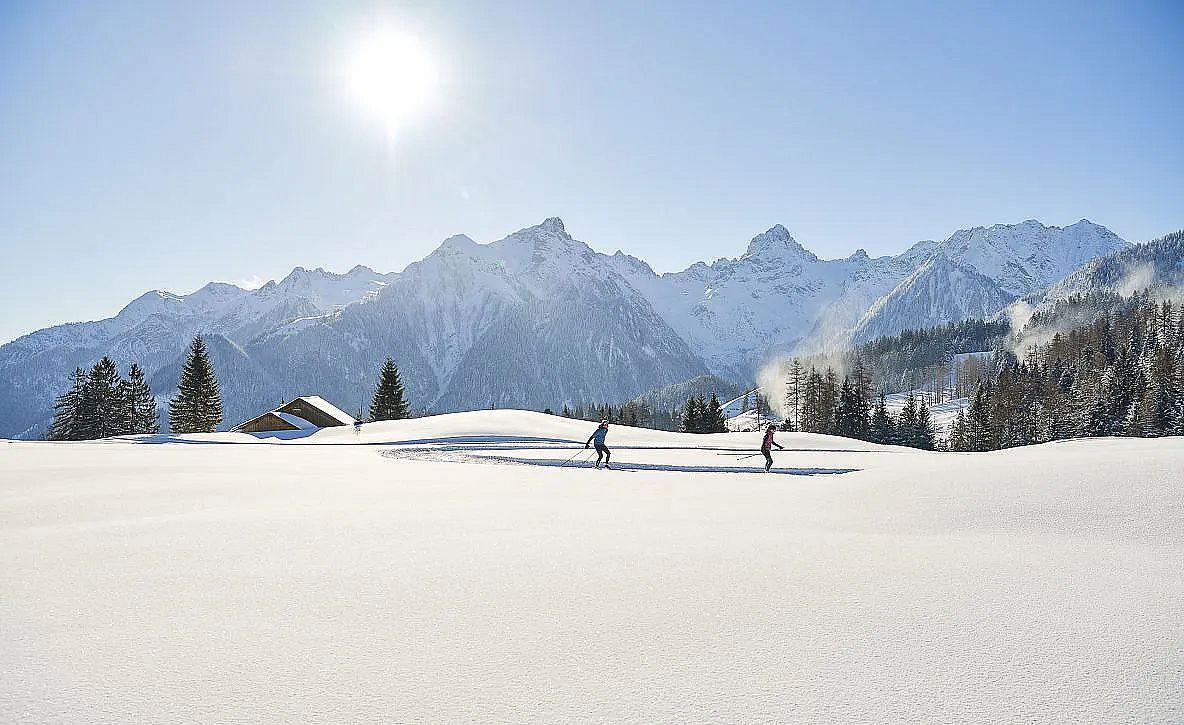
(767, 446)
(601, 449)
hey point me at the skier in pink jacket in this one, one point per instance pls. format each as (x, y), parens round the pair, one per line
(767, 446)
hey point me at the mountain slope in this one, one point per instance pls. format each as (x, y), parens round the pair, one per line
(975, 272)
(739, 312)
(539, 318)
(153, 329)
(1156, 263)
(940, 291)
(532, 320)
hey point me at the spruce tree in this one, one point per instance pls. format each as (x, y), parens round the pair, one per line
(65, 410)
(714, 419)
(828, 402)
(701, 423)
(1177, 427)
(692, 416)
(197, 406)
(957, 441)
(139, 404)
(861, 410)
(881, 423)
(924, 436)
(100, 413)
(908, 428)
(845, 410)
(389, 402)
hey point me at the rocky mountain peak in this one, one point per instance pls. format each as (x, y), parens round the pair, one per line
(777, 242)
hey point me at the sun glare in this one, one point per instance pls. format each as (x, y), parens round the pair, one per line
(392, 77)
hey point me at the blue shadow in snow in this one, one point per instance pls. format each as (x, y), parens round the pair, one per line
(619, 466)
(470, 440)
(159, 438)
(285, 435)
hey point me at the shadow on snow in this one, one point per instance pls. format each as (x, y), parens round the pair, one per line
(678, 468)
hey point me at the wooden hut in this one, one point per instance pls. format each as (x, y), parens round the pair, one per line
(304, 413)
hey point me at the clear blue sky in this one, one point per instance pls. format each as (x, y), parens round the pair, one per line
(163, 145)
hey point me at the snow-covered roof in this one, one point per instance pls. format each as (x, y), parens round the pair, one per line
(295, 420)
(328, 408)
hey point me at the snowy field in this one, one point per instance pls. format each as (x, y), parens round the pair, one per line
(450, 568)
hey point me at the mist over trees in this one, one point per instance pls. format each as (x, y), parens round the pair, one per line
(1122, 374)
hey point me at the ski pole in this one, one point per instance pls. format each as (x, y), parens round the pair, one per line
(573, 457)
(750, 455)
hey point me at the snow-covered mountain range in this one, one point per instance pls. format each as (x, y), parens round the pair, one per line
(1156, 264)
(539, 318)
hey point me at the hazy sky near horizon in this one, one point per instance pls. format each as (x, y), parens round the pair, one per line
(162, 145)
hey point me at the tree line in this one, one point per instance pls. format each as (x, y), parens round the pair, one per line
(819, 401)
(704, 415)
(1120, 375)
(699, 414)
(101, 404)
(635, 413)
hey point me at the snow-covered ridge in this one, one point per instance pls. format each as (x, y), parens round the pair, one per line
(541, 318)
(975, 272)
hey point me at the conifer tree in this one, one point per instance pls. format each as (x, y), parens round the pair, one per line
(845, 410)
(65, 422)
(861, 385)
(957, 441)
(714, 419)
(810, 416)
(907, 429)
(692, 416)
(100, 413)
(389, 400)
(828, 400)
(924, 436)
(759, 408)
(139, 404)
(881, 423)
(795, 384)
(197, 406)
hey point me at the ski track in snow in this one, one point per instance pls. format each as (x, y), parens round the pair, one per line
(340, 577)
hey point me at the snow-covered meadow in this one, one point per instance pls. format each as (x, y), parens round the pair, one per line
(449, 568)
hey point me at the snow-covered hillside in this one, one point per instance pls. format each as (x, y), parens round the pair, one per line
(451, 569)
(740, 312)
(533, 320)
(976, 272)
(539, 319)
(1158, 263)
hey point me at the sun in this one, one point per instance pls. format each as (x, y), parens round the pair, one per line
(392, 76)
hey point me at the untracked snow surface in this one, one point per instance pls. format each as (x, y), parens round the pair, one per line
(450, 568)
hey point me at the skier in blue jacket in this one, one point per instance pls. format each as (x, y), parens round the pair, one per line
(601, 449)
